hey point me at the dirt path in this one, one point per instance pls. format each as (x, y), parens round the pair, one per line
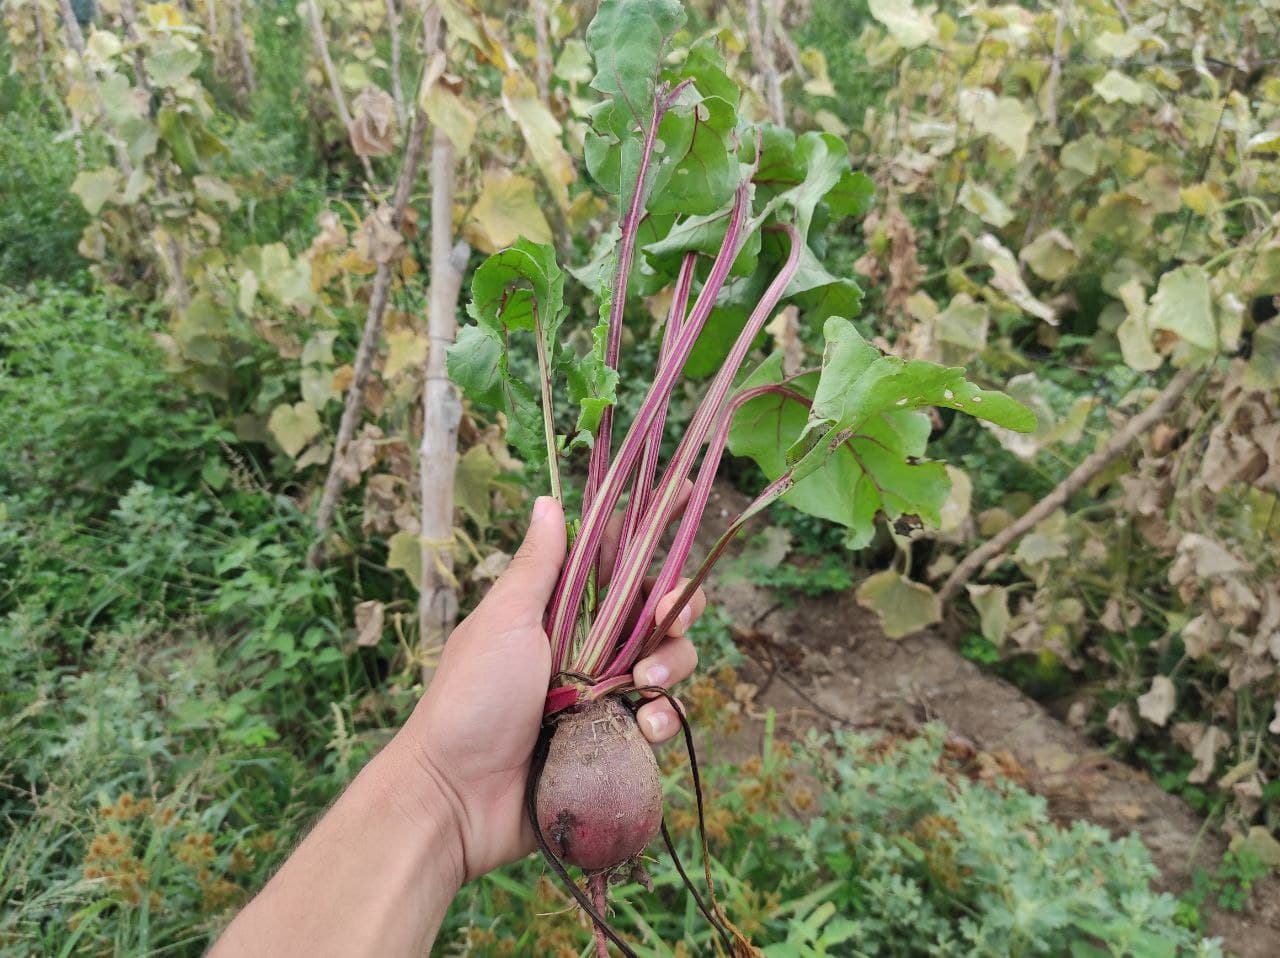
(830, 663)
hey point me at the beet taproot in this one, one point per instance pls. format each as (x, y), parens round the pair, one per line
(599, 801)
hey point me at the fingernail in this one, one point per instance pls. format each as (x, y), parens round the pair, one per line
(657, 723)
(542, 508)
(657, 675)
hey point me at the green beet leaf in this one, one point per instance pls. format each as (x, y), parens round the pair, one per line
(521, 290)
(857, 450)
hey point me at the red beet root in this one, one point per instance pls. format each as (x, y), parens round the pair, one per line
(599, 801)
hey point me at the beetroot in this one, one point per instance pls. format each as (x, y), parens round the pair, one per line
(599, 801)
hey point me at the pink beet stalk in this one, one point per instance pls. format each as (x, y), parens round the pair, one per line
(563, 610)
(630, 566)
(630, 227)
(642, 486)
(642, 639)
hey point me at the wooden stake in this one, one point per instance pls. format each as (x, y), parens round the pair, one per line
(441, 405)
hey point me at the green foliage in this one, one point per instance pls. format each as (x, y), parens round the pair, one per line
(855, 452)
(823, 576)
(87, 406)
(897, 853)
(1229, 886)
(171, 672)
(1076, 232)
(40, 221)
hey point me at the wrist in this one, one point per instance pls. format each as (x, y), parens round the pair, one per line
(402, 783)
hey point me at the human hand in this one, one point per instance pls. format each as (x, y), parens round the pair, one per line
(474, 731)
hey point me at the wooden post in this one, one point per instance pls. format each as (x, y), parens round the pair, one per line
(441, 405)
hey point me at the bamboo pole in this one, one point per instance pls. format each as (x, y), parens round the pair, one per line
(1079, 477)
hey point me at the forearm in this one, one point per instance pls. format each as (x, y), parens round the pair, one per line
(374, 876)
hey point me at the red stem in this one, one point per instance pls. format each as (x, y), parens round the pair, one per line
(563, 608)
(642, 640)
(629, 568)
(597, 886)
(642, 486)
(599, 463)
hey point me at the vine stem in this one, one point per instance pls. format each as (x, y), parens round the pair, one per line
(1079, 477)
(331, 74)
(335, 482)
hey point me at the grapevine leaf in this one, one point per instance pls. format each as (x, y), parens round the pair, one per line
(1183, 305)
(506, 209)
(171, 62)
(911, 28)
(293, 426)
(542, 133)
(903, 606)
(95, 187)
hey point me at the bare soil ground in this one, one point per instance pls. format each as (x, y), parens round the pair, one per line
(827, 662)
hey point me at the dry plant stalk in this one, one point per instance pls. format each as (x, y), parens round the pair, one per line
(1080, 476)
(397, 90)
(542, 61)
(331, 74)
(76, 39)
(248, 80)
(335, 481)
(766, 65)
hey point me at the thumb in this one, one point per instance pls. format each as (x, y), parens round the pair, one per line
(522, 592)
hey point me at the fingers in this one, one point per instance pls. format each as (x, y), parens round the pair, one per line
(522, 592)
(609, 548)
(673, 661)
(696, 605)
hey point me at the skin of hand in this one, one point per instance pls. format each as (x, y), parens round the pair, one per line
(443, 803)
(476, 727)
